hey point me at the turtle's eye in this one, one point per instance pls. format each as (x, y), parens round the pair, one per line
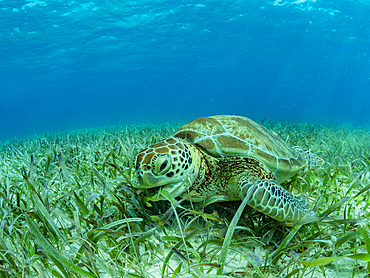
(161, 164)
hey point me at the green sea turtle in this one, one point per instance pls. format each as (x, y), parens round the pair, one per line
(228, 156)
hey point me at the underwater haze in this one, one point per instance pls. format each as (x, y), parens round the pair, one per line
(68, 65)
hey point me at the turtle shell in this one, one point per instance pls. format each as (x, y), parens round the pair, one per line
(224, 135)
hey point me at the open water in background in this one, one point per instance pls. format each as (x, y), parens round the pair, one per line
(83, 64)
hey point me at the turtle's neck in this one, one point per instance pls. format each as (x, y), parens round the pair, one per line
(206, 168)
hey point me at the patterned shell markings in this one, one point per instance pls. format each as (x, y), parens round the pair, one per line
(225, 135)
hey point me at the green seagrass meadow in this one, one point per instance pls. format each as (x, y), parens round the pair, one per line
(69, 208)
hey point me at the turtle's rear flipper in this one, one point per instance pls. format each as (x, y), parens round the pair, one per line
(313, 160)
(272, 199)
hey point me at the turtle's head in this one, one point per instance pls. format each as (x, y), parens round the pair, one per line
(172, 164)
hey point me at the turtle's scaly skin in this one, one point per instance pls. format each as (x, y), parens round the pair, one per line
(227, 156)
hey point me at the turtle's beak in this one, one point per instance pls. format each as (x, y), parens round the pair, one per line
(148, 180)
(174, 189)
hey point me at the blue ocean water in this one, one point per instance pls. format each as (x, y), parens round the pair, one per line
(81, 64)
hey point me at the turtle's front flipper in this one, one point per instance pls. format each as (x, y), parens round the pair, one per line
(270, 198)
